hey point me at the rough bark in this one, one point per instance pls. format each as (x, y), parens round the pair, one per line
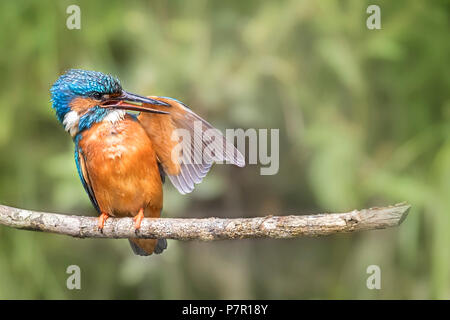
(206, 229)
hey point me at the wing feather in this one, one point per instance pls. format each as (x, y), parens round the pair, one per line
(84, 175)
(187, 169)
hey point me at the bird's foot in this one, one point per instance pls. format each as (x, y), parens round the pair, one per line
(101, 220)
(138, 219)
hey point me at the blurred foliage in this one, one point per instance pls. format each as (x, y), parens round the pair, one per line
(363, 116)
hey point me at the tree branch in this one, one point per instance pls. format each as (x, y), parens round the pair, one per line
(206, 229)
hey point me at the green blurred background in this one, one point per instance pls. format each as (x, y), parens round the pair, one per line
(363, 117)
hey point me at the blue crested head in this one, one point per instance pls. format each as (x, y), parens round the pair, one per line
(82, 98)
(81, 83)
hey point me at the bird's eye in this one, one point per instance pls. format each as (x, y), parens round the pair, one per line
(96, 95)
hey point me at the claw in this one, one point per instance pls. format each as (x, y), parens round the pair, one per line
(101, 220)
(138, 219)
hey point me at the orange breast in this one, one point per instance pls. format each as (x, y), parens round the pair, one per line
(122, 168)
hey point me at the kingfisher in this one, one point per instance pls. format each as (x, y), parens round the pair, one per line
(126, 144)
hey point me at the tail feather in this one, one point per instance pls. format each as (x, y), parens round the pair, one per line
(160, 246)
(145, 247)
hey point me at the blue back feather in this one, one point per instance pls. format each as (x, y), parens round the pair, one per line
(86, 185)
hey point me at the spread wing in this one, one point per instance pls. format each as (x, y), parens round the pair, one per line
(186, 144)
(84, 176)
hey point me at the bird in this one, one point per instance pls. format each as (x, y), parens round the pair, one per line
(127, 144)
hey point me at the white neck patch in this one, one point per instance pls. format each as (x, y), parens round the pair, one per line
(115, 116)
(72, 119)
(70, 122)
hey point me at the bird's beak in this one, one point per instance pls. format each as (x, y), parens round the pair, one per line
(126, 99)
